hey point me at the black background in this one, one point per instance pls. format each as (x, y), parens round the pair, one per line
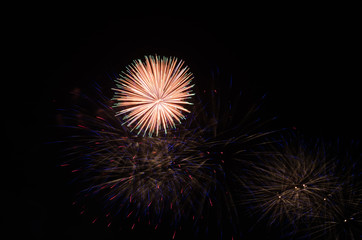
(305, 58)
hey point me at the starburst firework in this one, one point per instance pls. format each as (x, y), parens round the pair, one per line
(152, 93)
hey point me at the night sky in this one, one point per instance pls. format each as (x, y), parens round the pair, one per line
(306, 60)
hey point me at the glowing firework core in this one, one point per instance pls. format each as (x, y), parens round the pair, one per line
(152, 93)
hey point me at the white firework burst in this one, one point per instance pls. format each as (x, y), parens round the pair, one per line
(151, 94)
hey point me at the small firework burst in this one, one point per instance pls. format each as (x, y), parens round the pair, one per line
(287, 186)
(152, 94)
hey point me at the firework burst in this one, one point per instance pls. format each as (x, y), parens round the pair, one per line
(287, 187)
(185, 174)
(143, 179)
(152, 94)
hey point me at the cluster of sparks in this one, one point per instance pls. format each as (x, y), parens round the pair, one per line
(182, 173)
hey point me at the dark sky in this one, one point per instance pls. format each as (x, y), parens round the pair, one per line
(306, 60)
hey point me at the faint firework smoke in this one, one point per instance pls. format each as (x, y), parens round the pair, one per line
(233, 132)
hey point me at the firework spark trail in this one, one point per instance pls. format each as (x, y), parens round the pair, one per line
(152, 93)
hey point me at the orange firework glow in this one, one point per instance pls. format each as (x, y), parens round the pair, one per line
(151, 93)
